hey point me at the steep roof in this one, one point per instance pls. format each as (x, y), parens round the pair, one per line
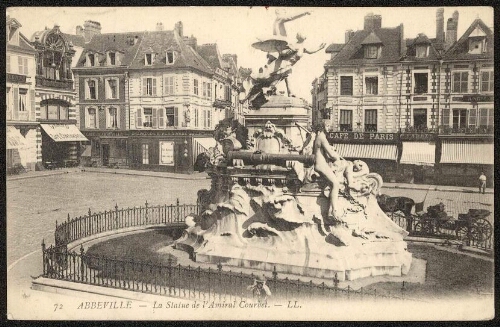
(460, 49)
(352, 52)
(334, 47)
(76, 40)
(24, 45)
(160, 42)
(372, 38)
(210, 53)
(422, 39)
(122, 42)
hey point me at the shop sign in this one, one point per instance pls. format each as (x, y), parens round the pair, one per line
(14, 78)
(366, 137)
(166, 153)
(418, 136)
(477, 98)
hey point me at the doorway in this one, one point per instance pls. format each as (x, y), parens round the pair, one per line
(105, 154)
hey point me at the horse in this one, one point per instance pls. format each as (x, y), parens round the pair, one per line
(397, 203)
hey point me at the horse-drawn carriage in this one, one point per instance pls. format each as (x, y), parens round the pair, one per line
(471, 226)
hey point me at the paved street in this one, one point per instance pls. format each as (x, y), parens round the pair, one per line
(34, 205)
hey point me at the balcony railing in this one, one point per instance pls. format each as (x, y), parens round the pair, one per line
(422, 89)
(42, 81)
(218, 103)
(419, 129)
(479, 130)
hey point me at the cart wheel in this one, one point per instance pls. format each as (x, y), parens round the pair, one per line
(424, 226)
(461, 232)
(481, 230)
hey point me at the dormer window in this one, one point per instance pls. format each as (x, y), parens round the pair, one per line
(477, 45)
(90, 60)
(111, 58)
(422, 51)
(371, 51)
(148, 59)
(170, 57)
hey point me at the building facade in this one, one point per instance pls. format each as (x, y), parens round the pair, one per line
(429, 100)
(23, 150)
(55, 99)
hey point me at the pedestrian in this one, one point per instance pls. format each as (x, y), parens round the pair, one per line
(482, 183)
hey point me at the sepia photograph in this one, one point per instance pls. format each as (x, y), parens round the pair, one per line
(250, 163)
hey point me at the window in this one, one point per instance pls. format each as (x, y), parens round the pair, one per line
(346, 120)
(446, 117)
(112, 88)
(371, 120)
(92, 118)
(148, 117)
(148, 59)
(145, 154)
(345, 85)
(422, 51)
(209, 90)
(91, 89)
(23, 65)
(22, 99)
(371, 51)
(459, 118)
(420, 119)
(460, 81)
(111, 58)
(485, 117)
(371, 85)
(472, 118)
(195, 90)
(161, 118)
(209, 118)
(204, 89)
(63, 112)
(170, 57)
(90, 60)
(487, 81)
(421, 82)
(53, 111)
(171, 116)
(112, 117)
(196, 117)
(477, 45)
(169, 85)
(227, 93)
(149, 86)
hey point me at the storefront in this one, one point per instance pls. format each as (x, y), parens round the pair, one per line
(463, 160)
(60, 144)
(106, 148)
(378, 150)
(418, 158)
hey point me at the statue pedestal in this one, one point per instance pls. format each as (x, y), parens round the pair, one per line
(283, 112)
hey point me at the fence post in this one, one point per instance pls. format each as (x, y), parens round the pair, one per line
(146, 212)
(178, 212)
(43, 256)
(403, 290)
(275, 278)
(82, 269)
(116, 215)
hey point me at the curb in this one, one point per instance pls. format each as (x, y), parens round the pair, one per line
(170, 176)
(15, 178)
(434, 188)
(444, 242)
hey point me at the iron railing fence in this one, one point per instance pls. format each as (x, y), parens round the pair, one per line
(175, 280)
(99, 222)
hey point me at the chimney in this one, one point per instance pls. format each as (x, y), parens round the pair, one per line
(377, 22)
(178, 28)
(159, 27)
(191, 41)
(91, 28)
(79, 31)
(440, 25)
(348, 35)
(451, 32)
(369, 22)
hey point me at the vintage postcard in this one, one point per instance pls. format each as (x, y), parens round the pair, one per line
(250, 163)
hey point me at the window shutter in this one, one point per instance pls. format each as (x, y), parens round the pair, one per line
(26, 66)
(175, 85)
(161, 121)
(155, 118)
(33, 110)
(15, 112)
(144, 87)
(87, 89)
(139, 118)
(85, 117)
(154, 86)
(165, 86)
(176, 116)
(20, 64)
(107, 90)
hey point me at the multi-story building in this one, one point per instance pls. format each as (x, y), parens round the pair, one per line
(319, 93)
(23, 132)
(363, 81)
(55, 98)
(429, 100)
(149, 100)
(466, 133)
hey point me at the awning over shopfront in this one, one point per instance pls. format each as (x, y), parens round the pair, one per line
(467, 152)
(14, 138)
(63, 133)
(370, 151)
(419, 153)
(202, 144)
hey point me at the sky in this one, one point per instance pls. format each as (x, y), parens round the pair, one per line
(234, 29)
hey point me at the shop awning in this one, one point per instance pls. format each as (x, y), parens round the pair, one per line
(14, 138)
(63, 133)
(419, 153)
(370, 151)
(467, 152)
